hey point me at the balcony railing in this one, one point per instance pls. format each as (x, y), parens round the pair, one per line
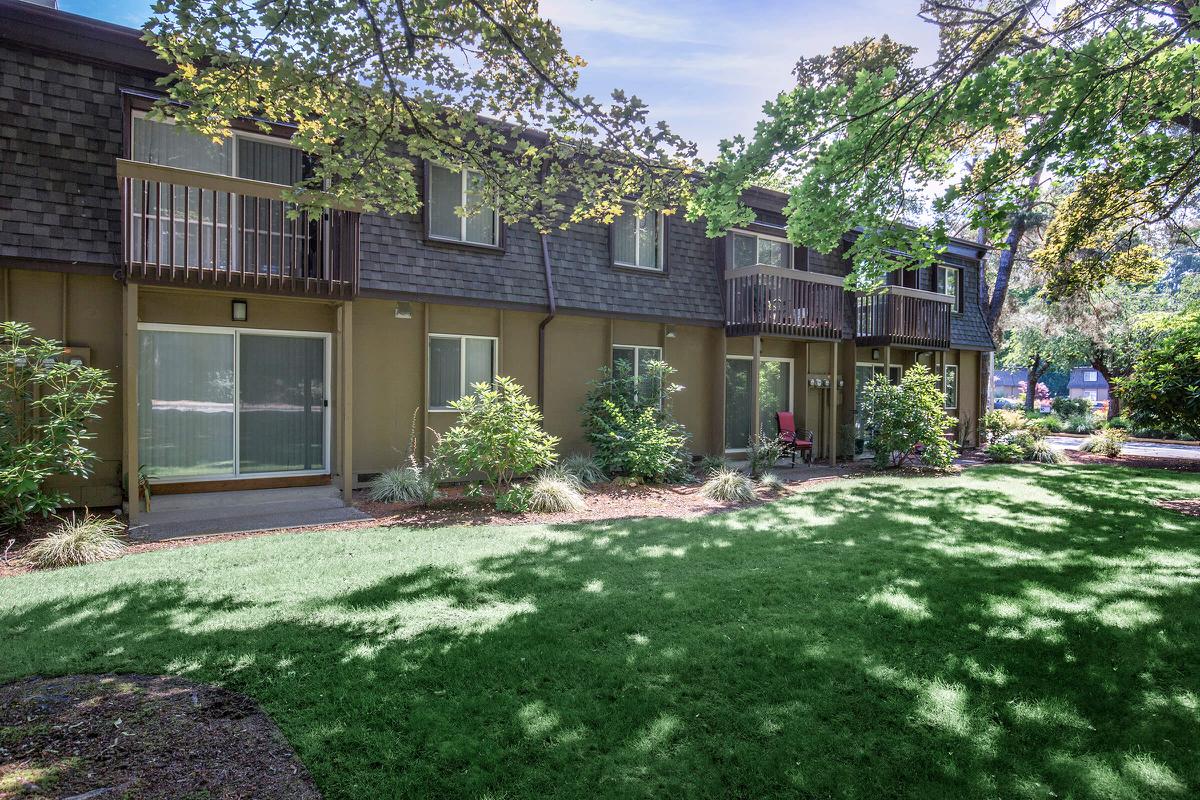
(775, 301)
(182, 226)
(903, 316)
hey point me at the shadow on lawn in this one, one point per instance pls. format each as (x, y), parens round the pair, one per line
(904, 638)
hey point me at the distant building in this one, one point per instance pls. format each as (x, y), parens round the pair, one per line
(1009, 382)
(1088, 383)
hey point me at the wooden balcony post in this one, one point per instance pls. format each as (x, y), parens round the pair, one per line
(129, 398)
(755, 366)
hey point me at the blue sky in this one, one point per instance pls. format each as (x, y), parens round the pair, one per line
(705, 66)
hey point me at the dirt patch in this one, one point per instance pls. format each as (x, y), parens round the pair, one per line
(1139, 462)
(1191, 506)
(110, 737)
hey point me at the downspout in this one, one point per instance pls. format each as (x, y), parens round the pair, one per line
(541, 375)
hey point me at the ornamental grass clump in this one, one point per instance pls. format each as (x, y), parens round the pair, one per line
(78, 540)
(1108, 442)
(405, 485)
(729, 486)
(771, 481)
(552, 494)
(1043, 453)
(585, 468)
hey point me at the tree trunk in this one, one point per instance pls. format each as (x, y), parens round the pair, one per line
(994, 306)
(1032, 375)
(1114, 403)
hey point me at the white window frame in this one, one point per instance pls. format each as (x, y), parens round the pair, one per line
(955, 307)
(236, 333)
(462, 364)
(791, 404)
(462, 203)
(1091, 376)
(637, 242)
(945, 375)
(788, 255)
(637, 361)
(233, 137)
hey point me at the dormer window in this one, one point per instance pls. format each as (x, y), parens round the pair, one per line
(447, 191)
(637, 239)
(750, 250)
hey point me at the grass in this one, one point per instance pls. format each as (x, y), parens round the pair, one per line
(1025, 631)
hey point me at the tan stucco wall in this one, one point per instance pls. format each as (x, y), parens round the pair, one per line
(90, 317)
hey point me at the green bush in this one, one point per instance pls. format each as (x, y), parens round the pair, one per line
(585, 468)
(405, 485)
(710, 464)
(45, 407)
(907, 420)
(1048, 424)
(1080, 423)
(630, 426)
(1004, 452)
(499, 434)
(1070, 406)
(1121, 423)
(997, 423)
(763, 453)
(515, 499)
(1108, 442)
(550, 493)
(78, 540)
(729, 486)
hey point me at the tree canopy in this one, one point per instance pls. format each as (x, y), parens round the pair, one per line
(1163, 388)
(1099, 95)
(374, 86)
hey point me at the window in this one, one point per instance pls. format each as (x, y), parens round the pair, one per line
(947, 281)
(637, 239)
(751, 250)
(895, 374)
(1090, 376)
(447, 191)
(456, 363)
(950, 385)
(635, 360)
(774, 395)
(242, 155)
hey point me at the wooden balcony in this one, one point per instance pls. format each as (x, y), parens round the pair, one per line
(905, 317)
(776, 301)
(214, 231)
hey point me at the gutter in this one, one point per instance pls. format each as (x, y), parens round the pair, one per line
(541, 368)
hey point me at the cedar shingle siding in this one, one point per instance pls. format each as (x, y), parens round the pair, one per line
(60, 133)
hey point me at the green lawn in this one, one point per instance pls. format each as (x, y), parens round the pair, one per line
(1016, 632)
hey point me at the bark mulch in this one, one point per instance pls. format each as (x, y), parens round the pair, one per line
(1138, 462)
(1191, 507)
(112, 737)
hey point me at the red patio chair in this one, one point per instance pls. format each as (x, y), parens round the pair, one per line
(794, 441)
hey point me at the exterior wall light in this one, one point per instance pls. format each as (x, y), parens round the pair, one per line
(403, 310)
(241, 311)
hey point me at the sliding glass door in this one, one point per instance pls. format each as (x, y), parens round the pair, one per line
(774, 395)
(223, 403)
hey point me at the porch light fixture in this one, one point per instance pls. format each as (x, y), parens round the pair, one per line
(241, 311)
(875, 354)
(403, 310)
(670, 332)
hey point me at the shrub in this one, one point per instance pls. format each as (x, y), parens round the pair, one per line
(763, 453)
(729, 486)
(499, 434)
(559, 472)
(998, 423)
(45, 407)
(514, 500)
(1004, 452)
(1070, 406)
(550, 494)
(585, 468)
(1080, 423)
(1119, 422)
(78, 540)
(630, 427)
(405, 485)
(1044, 453)
(710, 464)
(1048, 424)
(1023, 439)
(1108, 442)
(769, 480)
(907, 419)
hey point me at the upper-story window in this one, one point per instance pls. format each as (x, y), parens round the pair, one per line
(637, 239)
(948, 281)
(241, 155)
(1091, 376)
(750, 250)
(449, 190)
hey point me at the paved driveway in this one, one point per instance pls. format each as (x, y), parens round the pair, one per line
(1136, 448)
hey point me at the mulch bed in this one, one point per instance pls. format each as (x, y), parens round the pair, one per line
(1138, 462)
(1190, 507)
(110, 737)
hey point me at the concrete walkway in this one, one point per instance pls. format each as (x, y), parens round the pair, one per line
(1152, 449)
(177, 516)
